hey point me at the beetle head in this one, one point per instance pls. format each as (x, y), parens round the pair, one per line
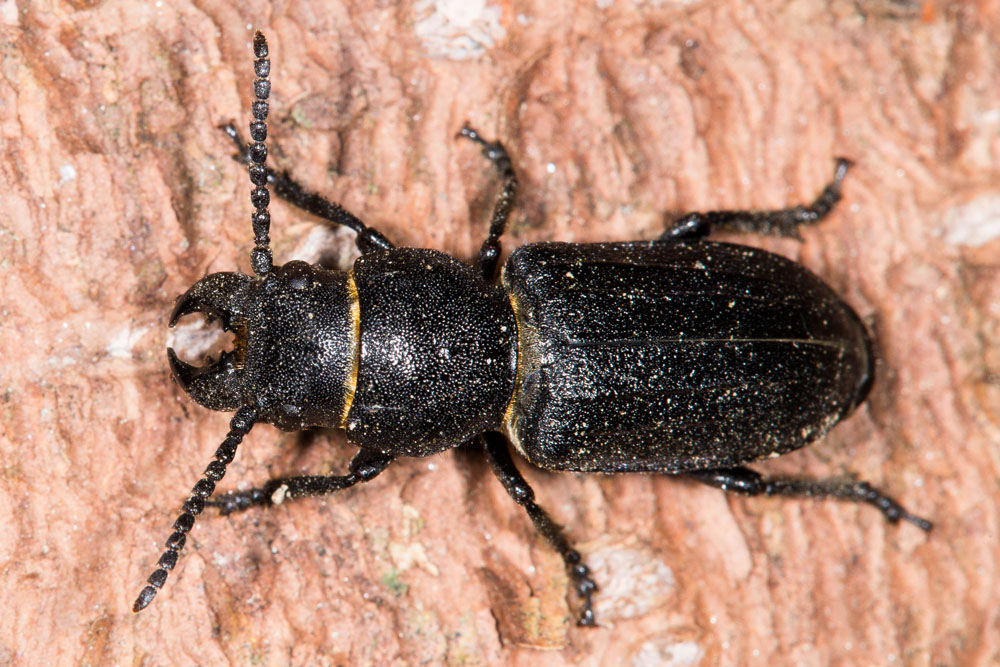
(219, 296)
(295, 344)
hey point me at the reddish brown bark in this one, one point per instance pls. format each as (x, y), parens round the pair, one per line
(118, 192)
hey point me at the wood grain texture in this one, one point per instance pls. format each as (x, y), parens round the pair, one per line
(118, 192)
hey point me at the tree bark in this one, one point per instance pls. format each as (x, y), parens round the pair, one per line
(119, 192)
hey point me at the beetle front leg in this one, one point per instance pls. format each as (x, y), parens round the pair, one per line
(748, 482)
(368, 239)
(781, 222)
(365, 466)
(500, 459)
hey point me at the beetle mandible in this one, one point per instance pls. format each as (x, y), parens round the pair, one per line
(679, 355)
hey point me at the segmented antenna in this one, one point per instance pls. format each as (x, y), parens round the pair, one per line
(240, 425)
(260, 259)
(260, 256)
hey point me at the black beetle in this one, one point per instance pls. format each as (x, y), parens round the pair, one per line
(678, 355)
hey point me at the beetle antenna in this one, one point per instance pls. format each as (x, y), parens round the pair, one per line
(260, 256)
(240, 425)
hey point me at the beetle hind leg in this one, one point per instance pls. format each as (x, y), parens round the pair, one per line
(780, 222)
(503, 467)
(748, 482)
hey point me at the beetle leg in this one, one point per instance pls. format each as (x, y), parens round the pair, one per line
(750, 483)
(365, 465)
(368, 239)
(503, 467)
(489, 252)
(781, 222)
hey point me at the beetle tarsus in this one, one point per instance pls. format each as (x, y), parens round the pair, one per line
(893, 511)
(585, 587)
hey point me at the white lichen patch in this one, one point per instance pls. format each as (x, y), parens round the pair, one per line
(406, 555)
(457, 29)
(122, 342)
(974, 223)
(67, 173)
(633, 582)
(672, 654)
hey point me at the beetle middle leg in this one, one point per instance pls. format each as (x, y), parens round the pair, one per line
(500, 459)
(780, 222)
(751, 483)
(489, 252)
(368, 239)
(365, 466)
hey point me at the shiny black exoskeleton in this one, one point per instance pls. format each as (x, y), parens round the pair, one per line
(677, 356)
